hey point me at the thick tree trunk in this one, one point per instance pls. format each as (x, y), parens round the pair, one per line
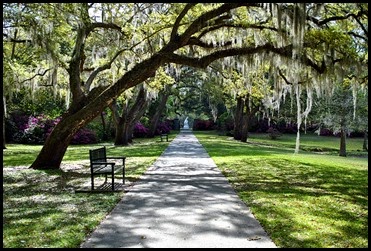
(245, 128)
(130, 115)
(130, 133)
(119, 135)
(237, 134)
(55, 146)
(365, 141)
(156, 116)
(343, 151)
(247, 114)
(126, 135)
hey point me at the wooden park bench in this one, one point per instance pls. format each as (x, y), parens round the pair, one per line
(164, 136)
(100, 166)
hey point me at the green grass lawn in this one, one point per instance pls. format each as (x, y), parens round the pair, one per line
(41, 208)
(311, 142)
(305, 200)
(302, 200)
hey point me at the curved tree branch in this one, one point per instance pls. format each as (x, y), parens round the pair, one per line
(37, 74)
(101, 68)
(174, 32)
(286, 80)
(203, 62)
(203, 21)
(113, 26)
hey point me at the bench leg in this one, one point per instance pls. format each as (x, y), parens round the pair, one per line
(113, 181)
(123, 174)
(92, 182)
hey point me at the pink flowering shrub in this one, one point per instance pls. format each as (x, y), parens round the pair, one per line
(35, 129)
(84, 136)
(163, 127)
(140, 130)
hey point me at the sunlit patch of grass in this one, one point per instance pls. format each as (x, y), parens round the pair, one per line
(40, 207)
(311, 142)
(305, 200)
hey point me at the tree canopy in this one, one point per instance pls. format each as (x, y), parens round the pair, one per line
(93, 52)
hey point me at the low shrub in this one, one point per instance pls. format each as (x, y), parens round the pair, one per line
(273, 133)
(140, 131)
(163, 127)
(203, 125)
(84, 136)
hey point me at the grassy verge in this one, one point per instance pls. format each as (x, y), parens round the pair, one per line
(305, 200)
(41, 209)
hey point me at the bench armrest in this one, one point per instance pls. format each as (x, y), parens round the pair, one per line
(116, 157)
(123, 159)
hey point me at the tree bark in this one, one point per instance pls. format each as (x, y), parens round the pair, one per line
(56, 144)
(130, 115)
(98, 99)
(237, 132)
(155, 118)
(246, 117)
(120, 133)
(343, 151)
(245, 120)
(365, 141)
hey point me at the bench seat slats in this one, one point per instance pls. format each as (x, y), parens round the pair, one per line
(107, 169)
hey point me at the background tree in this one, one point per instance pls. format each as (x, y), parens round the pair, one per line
(339, 113)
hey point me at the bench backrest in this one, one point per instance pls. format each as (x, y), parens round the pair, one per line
(98, 155)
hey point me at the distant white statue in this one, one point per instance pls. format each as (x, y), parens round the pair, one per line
(186, 126)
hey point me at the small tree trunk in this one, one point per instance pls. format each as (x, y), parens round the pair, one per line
(365, 141)
(237, 134)
(343, 151)
(298, 118)
(156, 116)
(245, 128)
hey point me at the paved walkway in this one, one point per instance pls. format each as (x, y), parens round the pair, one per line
(182, 201)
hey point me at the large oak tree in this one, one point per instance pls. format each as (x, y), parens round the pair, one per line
(145, 37)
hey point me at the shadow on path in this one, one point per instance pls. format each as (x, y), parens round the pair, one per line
(182, 201)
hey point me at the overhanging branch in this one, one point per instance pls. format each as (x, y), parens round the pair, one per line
(37, 74)
(174, 32)
(101, 68)
(203, 62)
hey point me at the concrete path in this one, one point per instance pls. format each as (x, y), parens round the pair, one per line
(182, 201)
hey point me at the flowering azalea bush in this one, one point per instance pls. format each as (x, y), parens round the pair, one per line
(84, 136)
(140, 130)
(163, 127)
(35, 129)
